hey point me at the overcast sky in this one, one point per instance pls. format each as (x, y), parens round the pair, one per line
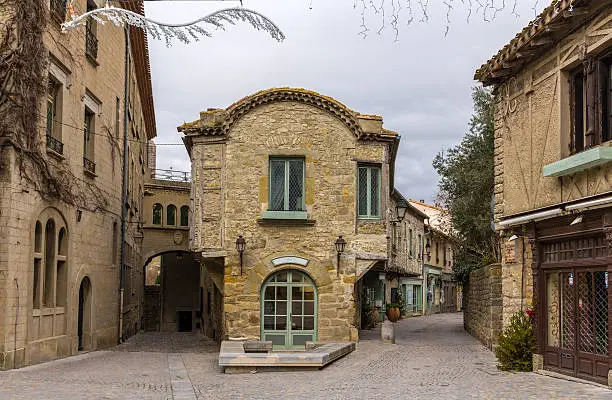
(421, 85)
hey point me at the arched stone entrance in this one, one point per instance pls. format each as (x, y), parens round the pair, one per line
(289, 309)
(173, 295)
(84, 315)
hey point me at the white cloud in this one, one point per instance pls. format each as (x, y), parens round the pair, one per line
(420, 85)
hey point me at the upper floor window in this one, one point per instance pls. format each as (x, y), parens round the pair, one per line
(171, 215)
(591, 100)
(286, 184)
(368, 191)
(88, 141)
(185, 216)
(91, 40)
(158, 210)
(54, 132)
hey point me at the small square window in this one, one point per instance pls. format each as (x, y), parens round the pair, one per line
(286, 184)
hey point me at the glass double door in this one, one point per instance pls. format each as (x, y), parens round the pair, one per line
(289, 309)
(577, 322)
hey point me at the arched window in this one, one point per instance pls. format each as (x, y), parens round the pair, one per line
(185, 216)
(158, 210)
(289, 309)
(171, 215)
(49, 280)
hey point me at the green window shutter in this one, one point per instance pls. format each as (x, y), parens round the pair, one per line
(277, 185)
(296, 185)
(286, 184)
(362, 189)
(374, 192)
(368, 188)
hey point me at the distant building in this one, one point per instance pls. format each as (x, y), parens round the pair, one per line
(442, 292)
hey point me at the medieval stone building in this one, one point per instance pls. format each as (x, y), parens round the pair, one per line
(293, 174)
(553, 190)
(60, 225)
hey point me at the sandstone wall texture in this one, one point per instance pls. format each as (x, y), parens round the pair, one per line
(90, 245)
(483, 304)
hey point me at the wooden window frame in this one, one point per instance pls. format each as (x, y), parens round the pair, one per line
(591, 109)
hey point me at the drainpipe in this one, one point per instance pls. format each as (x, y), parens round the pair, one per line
(16, 320)
(126, 95)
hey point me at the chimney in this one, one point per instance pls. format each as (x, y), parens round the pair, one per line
(151, 157)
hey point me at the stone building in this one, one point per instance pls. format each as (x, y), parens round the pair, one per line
(553, 190)
(405, 269)
(442, 292)
(291, 172)
(61, 249)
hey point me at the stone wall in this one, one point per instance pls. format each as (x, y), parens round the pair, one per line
(482, 302)
(152, 309)
(91, 218)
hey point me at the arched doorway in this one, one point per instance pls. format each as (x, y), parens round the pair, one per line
(289, 309)
(84, 319)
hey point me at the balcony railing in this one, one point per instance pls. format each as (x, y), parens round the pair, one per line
(58, 10)
(55, 144)
(89, 166)
(171, 175)
(91, 43)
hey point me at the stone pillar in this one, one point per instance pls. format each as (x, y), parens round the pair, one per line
(387, 332)
(538, 301)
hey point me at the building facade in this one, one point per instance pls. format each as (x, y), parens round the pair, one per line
(553, 201)
(406, 268)
(442, 292)
(61, 200)
(294, 174)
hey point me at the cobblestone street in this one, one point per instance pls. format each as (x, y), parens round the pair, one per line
(433, 358)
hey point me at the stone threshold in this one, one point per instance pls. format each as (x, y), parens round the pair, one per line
(234, 359)
(570, 378)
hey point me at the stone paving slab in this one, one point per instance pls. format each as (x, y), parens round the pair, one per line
(433, 358)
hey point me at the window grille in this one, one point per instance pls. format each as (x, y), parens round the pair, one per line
(286, 185)
(368, 188)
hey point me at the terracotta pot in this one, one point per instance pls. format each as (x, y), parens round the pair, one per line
(393, 314)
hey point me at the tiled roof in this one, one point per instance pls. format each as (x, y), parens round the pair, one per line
(555, 22)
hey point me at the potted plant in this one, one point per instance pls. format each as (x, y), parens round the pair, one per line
(393, 312)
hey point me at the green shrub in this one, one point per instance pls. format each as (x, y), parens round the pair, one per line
(517, 344)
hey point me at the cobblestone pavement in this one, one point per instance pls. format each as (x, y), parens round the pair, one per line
(433, 358)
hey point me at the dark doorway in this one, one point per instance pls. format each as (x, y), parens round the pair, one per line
(84, 315)
(185, 321)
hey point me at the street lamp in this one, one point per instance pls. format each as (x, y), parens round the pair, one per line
(340, 244)
(428, 250)
(240, 245)
(401, 208)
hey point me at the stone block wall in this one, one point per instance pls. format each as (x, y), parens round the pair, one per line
(152, 308)
(483, 304)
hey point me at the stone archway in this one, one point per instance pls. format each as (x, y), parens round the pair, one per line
(289, 309)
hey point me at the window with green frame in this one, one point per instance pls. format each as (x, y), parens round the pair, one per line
(368, 191)
(286, 192)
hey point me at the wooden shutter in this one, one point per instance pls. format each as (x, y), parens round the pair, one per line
(592, 125)
(603, 108)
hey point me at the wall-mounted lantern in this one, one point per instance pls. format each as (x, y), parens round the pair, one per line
(428, 250)
(340, 245)
(400, 209)
(240, 245)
